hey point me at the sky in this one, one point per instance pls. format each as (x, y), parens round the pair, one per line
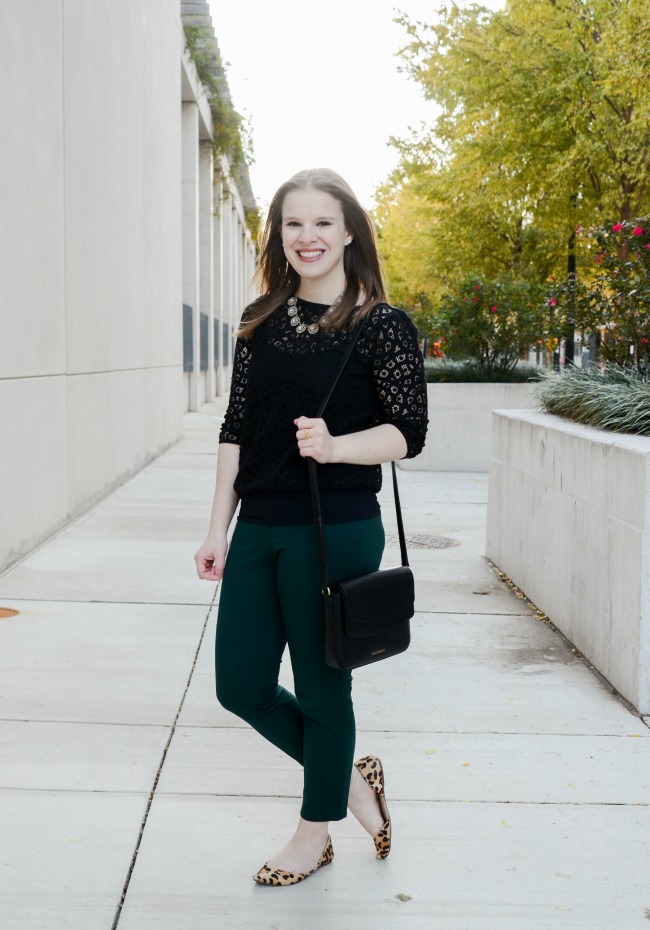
(320, 85)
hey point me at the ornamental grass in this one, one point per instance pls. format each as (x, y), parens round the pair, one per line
(612, 398)
(475, 371)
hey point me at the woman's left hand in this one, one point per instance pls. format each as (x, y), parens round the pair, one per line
(314, 440)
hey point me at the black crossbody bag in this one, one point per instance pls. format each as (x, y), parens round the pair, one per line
(366, 618)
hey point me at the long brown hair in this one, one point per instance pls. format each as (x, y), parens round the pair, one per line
(278, 280)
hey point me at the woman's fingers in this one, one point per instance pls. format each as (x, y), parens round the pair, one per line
(210, 562)
(313, 437)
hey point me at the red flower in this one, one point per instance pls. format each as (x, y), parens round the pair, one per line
(476, 287)
(464, 298)
(637, 230)
(647, 245)
(493, 309)
(617, 227)
(578, 230)
(455, 330)
(552, 302)
(599, 259)
(644, 342)
(474, 300)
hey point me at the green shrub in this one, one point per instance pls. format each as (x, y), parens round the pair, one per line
(613, 398)
(493, 322)
(472, 370)
(611, 295)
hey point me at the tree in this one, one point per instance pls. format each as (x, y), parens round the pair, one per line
(544, 123)
(611, 300)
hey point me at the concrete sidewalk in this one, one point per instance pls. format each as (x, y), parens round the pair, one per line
(518, 784)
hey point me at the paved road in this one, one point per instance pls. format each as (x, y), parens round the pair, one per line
(518, 783)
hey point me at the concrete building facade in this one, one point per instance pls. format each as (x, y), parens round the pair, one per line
(125, 259)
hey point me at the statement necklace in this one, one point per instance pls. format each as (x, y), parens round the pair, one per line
(292, 310)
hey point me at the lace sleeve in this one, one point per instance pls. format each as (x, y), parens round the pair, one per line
(232, 422)
(400, 383)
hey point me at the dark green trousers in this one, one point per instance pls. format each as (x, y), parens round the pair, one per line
(270, 598)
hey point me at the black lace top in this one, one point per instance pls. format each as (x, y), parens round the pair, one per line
(280, 375)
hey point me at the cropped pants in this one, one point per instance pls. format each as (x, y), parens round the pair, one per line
(271, 598)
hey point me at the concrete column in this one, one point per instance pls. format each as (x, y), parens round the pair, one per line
(216, 358)
(191, 284)
(226, 285)
(235, 309)
(237, 257)
(251, 272)
(206, 261)
(242, 267)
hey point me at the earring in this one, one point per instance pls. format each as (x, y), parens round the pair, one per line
(348, 240)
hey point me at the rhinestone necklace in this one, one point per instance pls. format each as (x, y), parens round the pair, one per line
(312, 328)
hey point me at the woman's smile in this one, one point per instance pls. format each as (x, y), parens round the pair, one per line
(310, 255)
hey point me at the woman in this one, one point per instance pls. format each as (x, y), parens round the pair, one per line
(320, 278)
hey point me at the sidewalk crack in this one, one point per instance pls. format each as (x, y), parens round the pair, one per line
(152, 793)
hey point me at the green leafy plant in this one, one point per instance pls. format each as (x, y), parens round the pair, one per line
(611, 296)
(230, 137)
(472, 370)
(614, 398)
(492, 322)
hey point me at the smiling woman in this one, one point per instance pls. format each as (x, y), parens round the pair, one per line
(320, 280)
(319, 245)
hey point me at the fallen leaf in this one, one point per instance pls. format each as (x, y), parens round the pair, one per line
(505, 823)
(430, 752)
(75, 839)
(635, 735)
(571, 785)
(465, 764)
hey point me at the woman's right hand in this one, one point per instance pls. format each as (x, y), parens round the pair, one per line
(210, 558)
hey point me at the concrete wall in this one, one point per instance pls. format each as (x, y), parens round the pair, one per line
(92, 242)
(460, 424)
(569, 523)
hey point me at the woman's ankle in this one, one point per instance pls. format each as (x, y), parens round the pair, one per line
(312, 830)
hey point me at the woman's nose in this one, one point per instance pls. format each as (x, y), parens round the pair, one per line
(307, 233)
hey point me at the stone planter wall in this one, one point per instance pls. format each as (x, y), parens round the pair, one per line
(569, 523)
(460, 424)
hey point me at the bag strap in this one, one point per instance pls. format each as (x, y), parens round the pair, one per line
(313, 481)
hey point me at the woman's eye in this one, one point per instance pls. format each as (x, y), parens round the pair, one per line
(324, 223)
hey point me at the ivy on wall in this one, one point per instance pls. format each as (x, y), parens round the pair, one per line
(230, 131)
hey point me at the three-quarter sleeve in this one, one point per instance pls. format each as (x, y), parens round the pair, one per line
(399, 378)
(232, 423)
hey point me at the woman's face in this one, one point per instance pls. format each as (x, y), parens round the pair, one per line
(314, 236)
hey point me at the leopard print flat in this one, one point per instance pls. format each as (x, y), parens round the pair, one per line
(268, 875)
(373, 772)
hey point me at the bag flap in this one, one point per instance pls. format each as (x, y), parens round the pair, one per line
(378, 601)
